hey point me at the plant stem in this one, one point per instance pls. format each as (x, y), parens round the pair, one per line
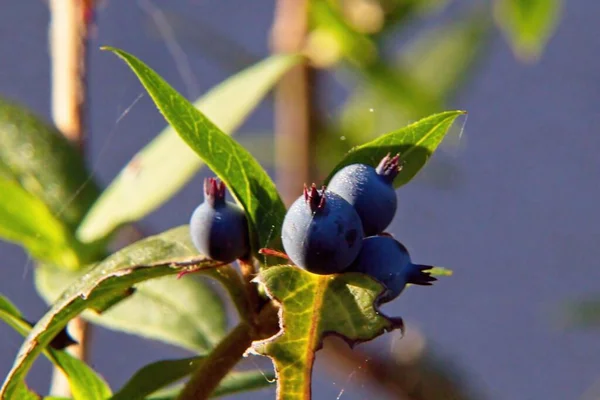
(68, 49)
(218, 364)
(293, 139)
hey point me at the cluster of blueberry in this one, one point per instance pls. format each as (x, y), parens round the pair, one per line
(341, 228)
(329, 230)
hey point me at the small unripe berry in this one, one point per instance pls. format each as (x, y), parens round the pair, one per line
(218, 227)
(321, 232)
(370, 190)
(388, 261)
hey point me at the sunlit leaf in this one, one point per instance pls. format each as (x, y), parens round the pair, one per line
(26, 220)
(415, 143)
(528, 24)
(45, 164)
(312, 307)
(185, 312)
(85, 384)
(153, 257)
(167, 163)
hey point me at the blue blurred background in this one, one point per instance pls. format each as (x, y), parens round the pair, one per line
(509, 205)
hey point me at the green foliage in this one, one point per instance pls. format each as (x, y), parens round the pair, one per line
(314, 306)
(150, 379)
(110, 281)
(45, 164)
(243, 175)
(28, 221)
(528, 24)
(415, 143)
(162, 167)
(185, 312)
(84, 382)
(155, 376)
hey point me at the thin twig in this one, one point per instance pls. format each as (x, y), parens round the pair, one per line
(68, 48)
(292, 101)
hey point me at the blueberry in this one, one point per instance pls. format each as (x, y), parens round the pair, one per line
(218, 227)
(321, 232)
(388, 261)
(371, 192)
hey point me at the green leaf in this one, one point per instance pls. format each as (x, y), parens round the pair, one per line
(528, 24)
(167, 163)
(45, 164)
(439, 59)
(186, 312)
(243, 175)
(415, 143)
(313, 306)
(153, 257)
(158, 375)
(85, 384)
(26, 220)
(155, 376)
(237, 382)
(234, 382)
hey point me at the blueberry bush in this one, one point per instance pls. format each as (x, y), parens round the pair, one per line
(294, 275)
(311, 305)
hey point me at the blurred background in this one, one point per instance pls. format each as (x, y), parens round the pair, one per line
(507, 202)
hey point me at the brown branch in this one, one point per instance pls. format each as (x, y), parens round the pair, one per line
(68, 49)
(293, 139)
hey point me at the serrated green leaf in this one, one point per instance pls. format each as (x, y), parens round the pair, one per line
(528, 24)
(26, 220)
(313, 306)
(153, 257)
(186, 312)
(85, 384)
(45, 163)
(167, 163)
(415, 143)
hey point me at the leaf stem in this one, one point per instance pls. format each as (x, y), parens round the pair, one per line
(68, 49)
(218, 364)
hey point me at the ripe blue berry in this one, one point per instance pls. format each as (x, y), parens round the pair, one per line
(321, 232)
(388, 261)
(371, 192)
(218, 227)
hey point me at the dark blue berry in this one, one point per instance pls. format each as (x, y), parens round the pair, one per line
(321, 232)
(371, 192)
(218, 227)
(388, 261)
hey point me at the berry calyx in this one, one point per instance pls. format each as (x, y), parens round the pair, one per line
(388, 261)
(314, 199)
(389, 167)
